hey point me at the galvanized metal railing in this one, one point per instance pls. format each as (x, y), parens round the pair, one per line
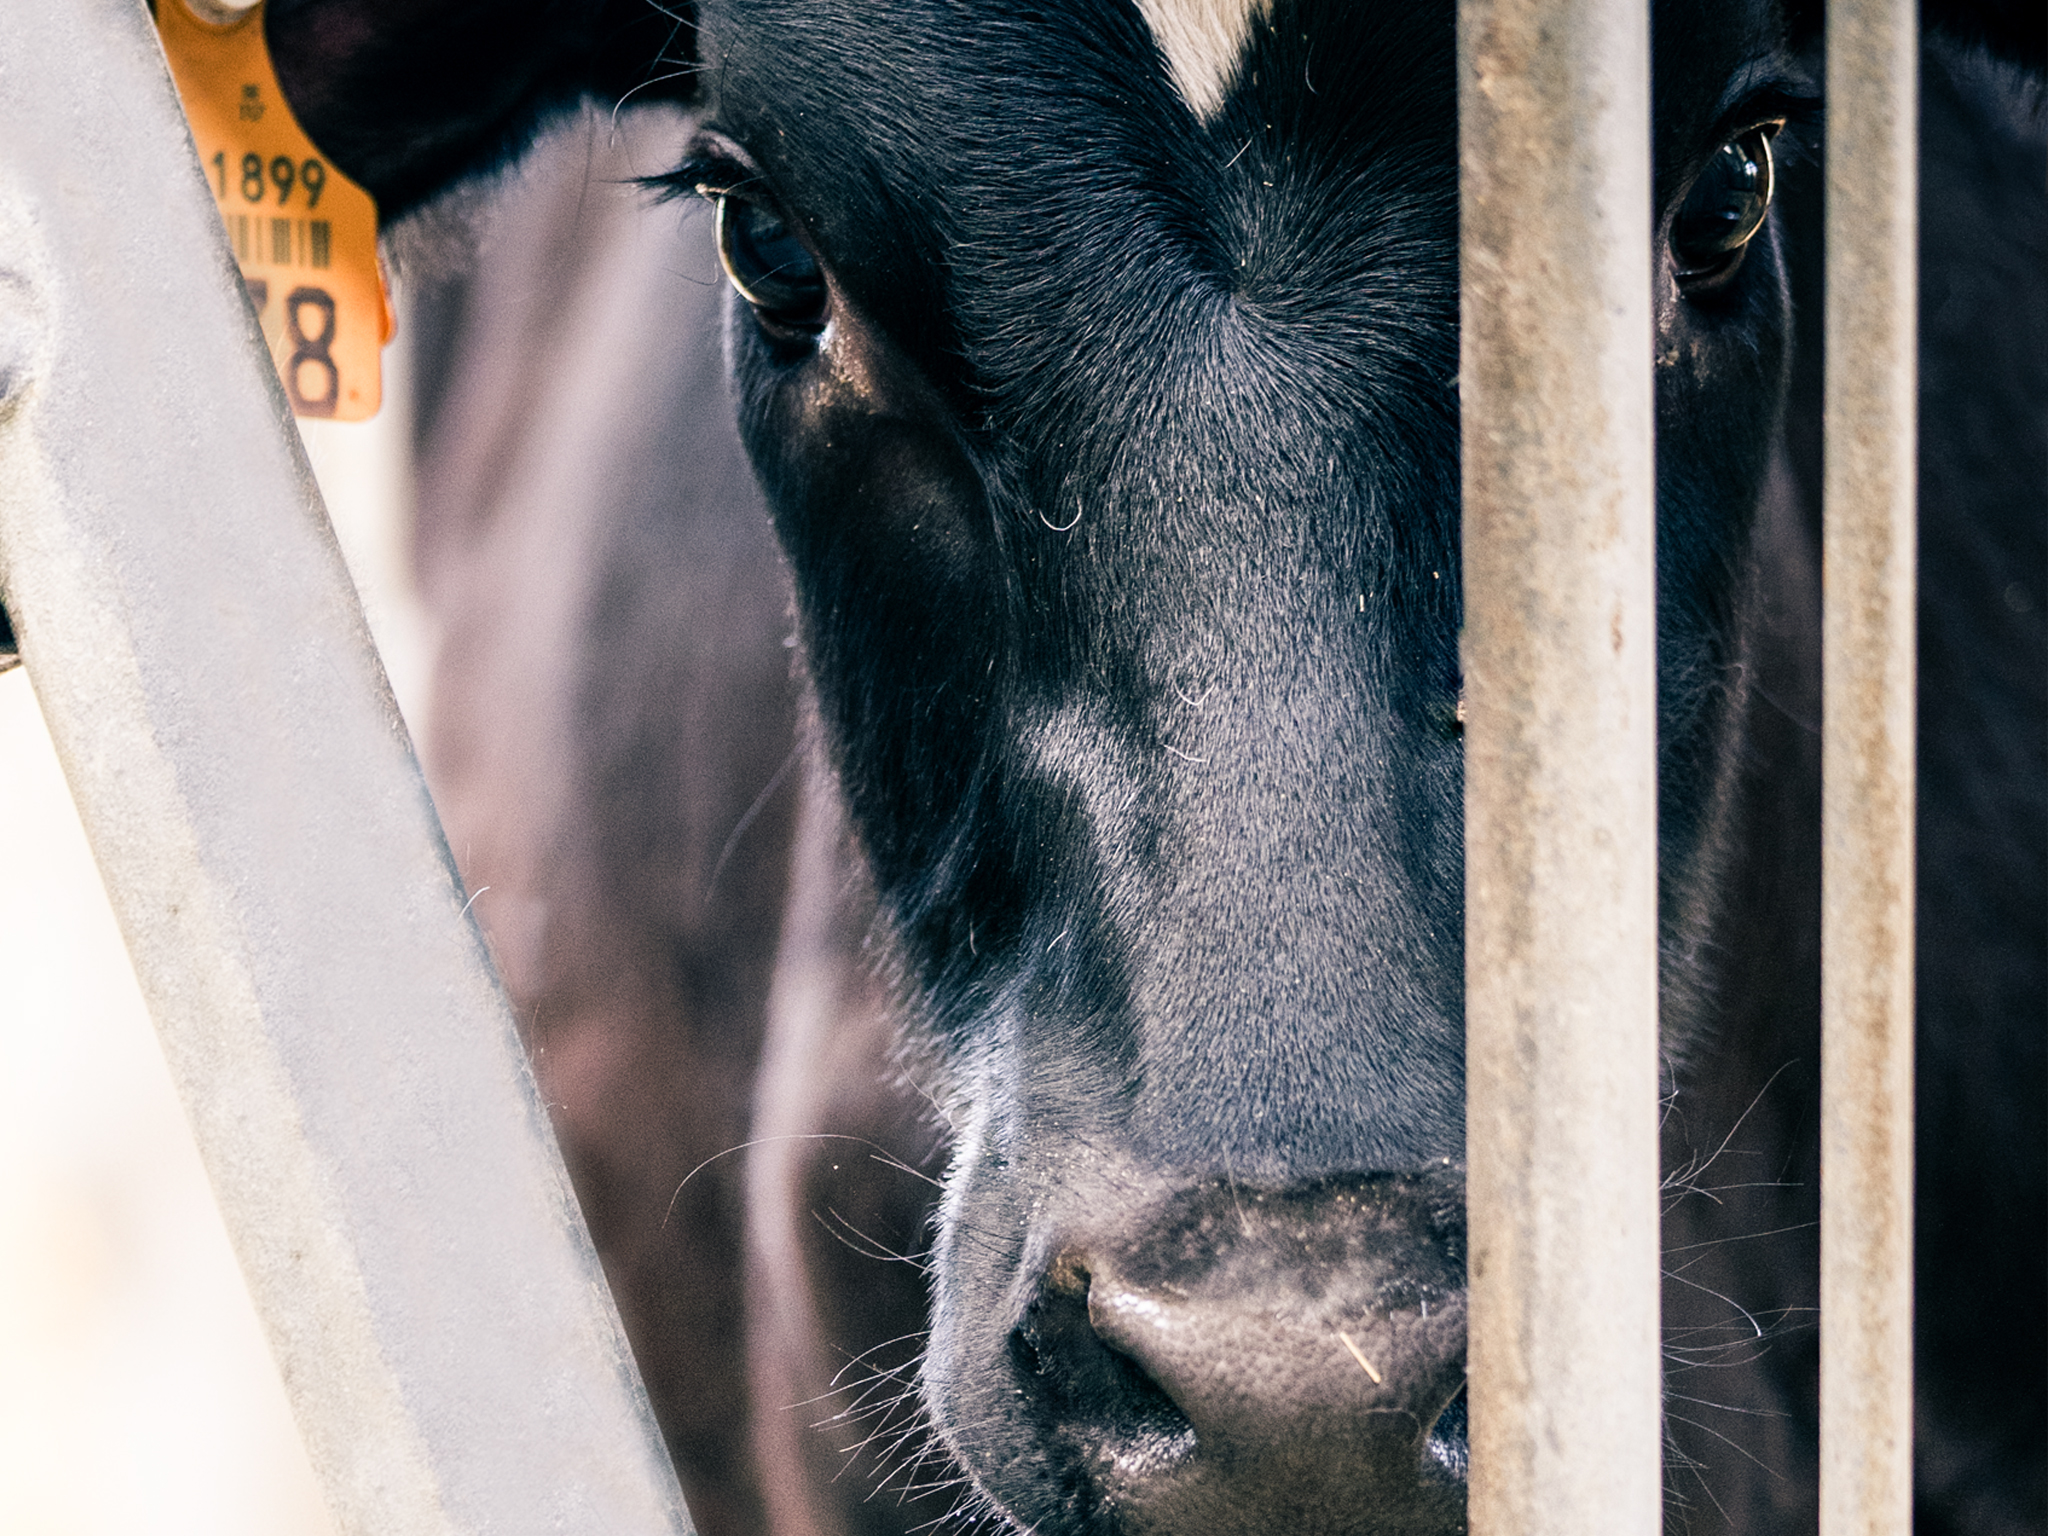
(1560, 767)
(1869, 542)
(345, 1055)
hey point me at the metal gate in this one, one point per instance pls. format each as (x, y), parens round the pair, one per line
(1561, 924)
(346, 1056)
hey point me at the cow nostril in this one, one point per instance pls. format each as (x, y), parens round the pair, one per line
(1447, 1452)
(1089, 1392)
(1252, 1361)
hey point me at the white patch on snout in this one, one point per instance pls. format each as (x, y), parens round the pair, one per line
(1203, 40)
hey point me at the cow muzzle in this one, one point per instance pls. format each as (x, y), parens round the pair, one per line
(1253, 1361)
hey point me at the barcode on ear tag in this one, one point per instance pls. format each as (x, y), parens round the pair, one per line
(304, 234)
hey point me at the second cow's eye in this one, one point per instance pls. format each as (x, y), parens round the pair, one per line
(1725, 208)
(772, 269)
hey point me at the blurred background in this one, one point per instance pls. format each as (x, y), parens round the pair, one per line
(137, 1395)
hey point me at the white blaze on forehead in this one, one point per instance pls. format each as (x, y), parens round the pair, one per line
(1203, 41)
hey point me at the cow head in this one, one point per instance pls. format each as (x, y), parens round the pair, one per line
(1099, 363)
(1100, 368)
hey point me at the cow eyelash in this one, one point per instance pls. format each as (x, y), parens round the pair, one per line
(709, 174)
(762, 249)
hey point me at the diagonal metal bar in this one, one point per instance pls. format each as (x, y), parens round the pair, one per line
(346, 1057)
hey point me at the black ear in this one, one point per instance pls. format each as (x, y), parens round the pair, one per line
(406, 96)
(2014, 30)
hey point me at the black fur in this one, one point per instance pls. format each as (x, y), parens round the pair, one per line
(1121, 501)
(407, 97)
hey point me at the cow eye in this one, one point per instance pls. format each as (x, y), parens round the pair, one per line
(772, 269)
(1725, 207)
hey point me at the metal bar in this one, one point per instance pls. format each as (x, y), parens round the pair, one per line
(1868, 548)
(1560, 766)
(345, 1054)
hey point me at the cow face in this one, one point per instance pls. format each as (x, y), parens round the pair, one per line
(1099, 363)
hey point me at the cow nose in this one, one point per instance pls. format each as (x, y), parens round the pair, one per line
(1253, 1361)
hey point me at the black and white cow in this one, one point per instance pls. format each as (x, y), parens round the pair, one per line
(1097, 361)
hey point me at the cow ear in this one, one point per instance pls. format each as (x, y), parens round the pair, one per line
(407, 96)
(2014, 30)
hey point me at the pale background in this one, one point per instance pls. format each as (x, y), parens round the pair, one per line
(137, 1397)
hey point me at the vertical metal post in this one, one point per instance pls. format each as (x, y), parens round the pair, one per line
(1869, 542)
(1560, 764)
(342, 1047)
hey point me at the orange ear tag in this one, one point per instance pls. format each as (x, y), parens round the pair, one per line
(304, 234)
